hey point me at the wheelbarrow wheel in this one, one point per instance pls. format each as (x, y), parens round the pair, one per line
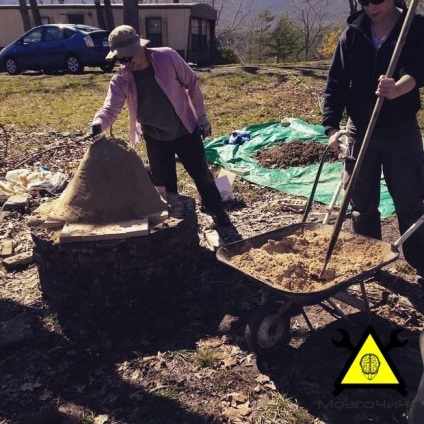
(265, 334)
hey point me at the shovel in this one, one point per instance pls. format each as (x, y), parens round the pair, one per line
(379, 103)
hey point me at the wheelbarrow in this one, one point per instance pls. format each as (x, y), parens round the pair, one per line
(268, 328)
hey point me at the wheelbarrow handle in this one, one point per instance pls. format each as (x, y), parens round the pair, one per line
(398, 243)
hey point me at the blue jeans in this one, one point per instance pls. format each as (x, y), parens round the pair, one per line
(398, 152)
(191, 153)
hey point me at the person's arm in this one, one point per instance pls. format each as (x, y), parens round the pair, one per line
(188, 79)
(337, 89)
(112, 106)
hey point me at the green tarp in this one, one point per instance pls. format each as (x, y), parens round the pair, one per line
(295, 180)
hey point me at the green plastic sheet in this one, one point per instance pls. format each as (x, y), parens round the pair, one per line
(295, 180)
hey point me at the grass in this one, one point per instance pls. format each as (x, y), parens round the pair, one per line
(167, 393)
(282, 409)
(234, 98)
(206, 358)
(64, 103)
(182, 355)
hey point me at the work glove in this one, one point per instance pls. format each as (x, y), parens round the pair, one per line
(94, 130)
(204, 126)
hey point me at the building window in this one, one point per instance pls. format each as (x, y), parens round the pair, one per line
(77, 19)
(199, 35)
(154, 31)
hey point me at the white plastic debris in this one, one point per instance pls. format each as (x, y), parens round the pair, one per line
(23, 180)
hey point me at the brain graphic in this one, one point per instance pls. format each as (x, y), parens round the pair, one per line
(370, 365)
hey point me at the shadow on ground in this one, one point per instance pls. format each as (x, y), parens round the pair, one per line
(41, 381)
(309, 372)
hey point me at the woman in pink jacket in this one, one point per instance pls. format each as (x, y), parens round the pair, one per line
(165, 105)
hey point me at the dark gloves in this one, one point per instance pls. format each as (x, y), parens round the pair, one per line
(204, 126)
(94, 130)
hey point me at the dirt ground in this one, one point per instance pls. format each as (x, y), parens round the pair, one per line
(183, 357)
(294, 153)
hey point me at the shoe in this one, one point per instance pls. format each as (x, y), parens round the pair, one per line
(221, 218)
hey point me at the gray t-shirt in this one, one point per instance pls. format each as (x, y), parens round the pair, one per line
(154, 110)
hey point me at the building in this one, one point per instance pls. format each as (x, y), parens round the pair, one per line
(188, 28)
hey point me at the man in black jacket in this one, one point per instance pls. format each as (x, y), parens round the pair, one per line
(355, 79)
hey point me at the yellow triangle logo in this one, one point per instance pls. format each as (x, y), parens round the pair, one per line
(370, 366)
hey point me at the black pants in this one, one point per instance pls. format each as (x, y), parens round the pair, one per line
(191, 153)
(398, 152)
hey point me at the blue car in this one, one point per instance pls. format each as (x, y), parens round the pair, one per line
(52, 47)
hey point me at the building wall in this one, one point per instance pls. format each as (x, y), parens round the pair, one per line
(175, 20)
(11, 24)
(175, 26)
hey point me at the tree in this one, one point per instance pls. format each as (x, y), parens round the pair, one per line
(99, 13)
(130, 12)
(24, 14)
(109, 15)
(284, 41)
(265, 19)
(353, 6)
(35, 12)
(329, 44)
(311, 21)
(231, 14)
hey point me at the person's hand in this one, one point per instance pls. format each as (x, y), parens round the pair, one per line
(386, 88)
(334, 138)
(204, 127)
(94, 130)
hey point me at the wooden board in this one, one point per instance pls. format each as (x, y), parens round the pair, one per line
(159, 217)
(91, 232)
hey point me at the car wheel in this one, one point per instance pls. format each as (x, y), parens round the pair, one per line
(12, 66)
(74, 65)
(108, 67)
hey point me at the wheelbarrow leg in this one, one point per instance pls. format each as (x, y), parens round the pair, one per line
(366, 302)
(338, 310)
(311, 327)
(348, 299)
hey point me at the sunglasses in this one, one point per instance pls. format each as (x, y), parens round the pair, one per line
(367, 2)
(124, 60)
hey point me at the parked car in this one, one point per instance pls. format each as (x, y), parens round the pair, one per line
(57, 47)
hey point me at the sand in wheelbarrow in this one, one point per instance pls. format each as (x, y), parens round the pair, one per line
(294, 263)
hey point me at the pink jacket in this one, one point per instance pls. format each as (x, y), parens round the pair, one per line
(174, 76)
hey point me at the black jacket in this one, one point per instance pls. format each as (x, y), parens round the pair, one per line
(357, 64)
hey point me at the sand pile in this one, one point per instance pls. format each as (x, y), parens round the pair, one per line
(110, 185)
(295, 262)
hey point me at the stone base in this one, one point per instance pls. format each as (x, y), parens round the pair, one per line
(123, 274)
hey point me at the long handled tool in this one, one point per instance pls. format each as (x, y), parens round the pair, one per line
(379, 103)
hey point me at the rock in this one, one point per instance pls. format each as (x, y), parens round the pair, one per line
(6, 248)
(18, 202)
(17, 261)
